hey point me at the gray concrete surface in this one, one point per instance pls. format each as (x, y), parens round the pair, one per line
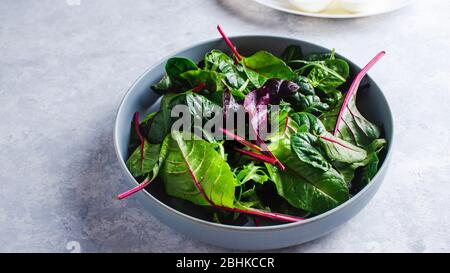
(64, 68)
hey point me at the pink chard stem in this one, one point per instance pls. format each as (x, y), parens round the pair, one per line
(256, 212)
(241, 140)
(147, 180)
(353, 87)
(138, 132)
(229, 43)
(199, 87)
(335, 142)
(139, 187)
(256, 156)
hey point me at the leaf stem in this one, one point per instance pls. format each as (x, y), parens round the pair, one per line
(353, 87)
(229, 43)
(257, 212)
(241, 140)
(336, 142)
(261, 157)
(269, 153)
(199, 87)
(138, 132)
(139, 187)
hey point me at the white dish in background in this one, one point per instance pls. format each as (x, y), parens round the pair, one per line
(336, 9)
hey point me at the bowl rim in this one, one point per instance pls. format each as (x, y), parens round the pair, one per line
(307, 221)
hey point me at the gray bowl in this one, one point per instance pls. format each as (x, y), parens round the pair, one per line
(188, 219)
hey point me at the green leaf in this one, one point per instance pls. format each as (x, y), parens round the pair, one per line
(216, 60)
(340, 150)
(305, 146)
(162, 121)
(310, 182)
(355, 128)
(305, 86)
(309, 188)
(320, 56)
(144, 127)
(251, 172)
(371, 162)
(177, 66)
(190, 161)
(139, 167)
(262, 66)
(164, 85)
(211, 79)
(328, 74)
(292, 52)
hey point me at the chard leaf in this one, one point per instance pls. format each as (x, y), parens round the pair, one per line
(340, 150)
(144, 127)
(355, 128)
(189, 160)
(139, 167)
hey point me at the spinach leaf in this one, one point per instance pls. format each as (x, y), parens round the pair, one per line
(325, 75)
(262, 66)
(199, 108)
(211, 79)
(308, 188)
(310, 181)
(320, 56)
(189, 160)
(177, 66)
(171, 81)
(216, 60)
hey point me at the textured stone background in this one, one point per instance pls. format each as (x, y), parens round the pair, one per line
(64, 69)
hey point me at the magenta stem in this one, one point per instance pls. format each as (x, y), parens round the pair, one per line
(199, 87)
(229, 43)
(266, 214)
(139, 187)
(241, 140)
(269, 153)
(261, 157)
(138, 132)
(353, 87)
(337, 142)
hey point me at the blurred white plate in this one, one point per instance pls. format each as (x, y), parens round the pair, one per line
(333, 12)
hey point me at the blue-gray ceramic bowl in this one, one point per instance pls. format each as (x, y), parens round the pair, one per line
(188, 219)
